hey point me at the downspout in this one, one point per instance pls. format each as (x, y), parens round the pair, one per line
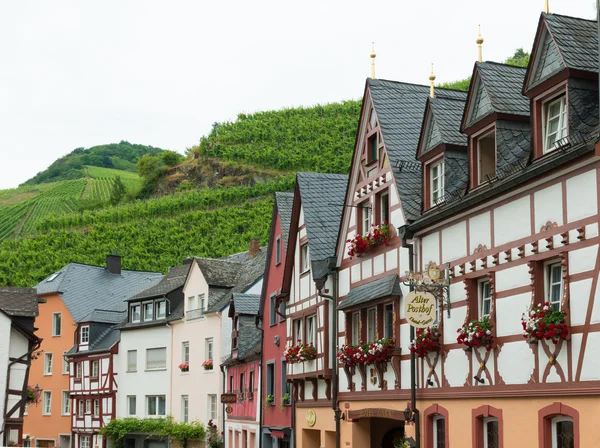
(405, 235)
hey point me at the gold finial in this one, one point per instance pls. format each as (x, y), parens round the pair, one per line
(373, 55)
(547, 6)
(431, 83)
(479, 42)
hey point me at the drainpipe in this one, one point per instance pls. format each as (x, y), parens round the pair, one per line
(405, 235)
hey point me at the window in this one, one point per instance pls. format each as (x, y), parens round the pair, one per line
(84, 442)
(47, 403)
(156, 358)
(304, 258)
(47, 363)
(131, 404)
(554, 288)
(555, 123)
(439, 432)
(209, 349)
(231, 383)
(364, 221)
(372, 151)
(85, 335)
(311, 330)
(388, 321)
(384, 207)
(185, 352)
(80, 408)
(78, 367)
(88, 406)
(436, 174)
(356, 328)
(26, 410)
(65, 365)
(563, 434)
(490, 433)
(281, 311)
(485, 298)
(371, 325)
(95, 365)
(486, 157)
(192, 303)
(212, 407)
(161, 309)
(271, 378)
(242, 383)
(278, 250)
(132, 360)
(251, 382)
(96, 408)
(148, 311)
(156, 405)
(285, 386)
(66, 403)
(273, 308)
(184, 408)
(135, 312)
(56, 324)
(298, 333)
(201, 300)
(195, 307)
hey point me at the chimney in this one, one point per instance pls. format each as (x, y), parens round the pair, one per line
(254, 247)
(188, 260)
(113, 264)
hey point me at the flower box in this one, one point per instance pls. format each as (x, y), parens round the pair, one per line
(365, 354)
(352, 355)
(477, 333)
(270, 401)
(427, 340)
(541, 322)
(300, 352)
(33, 395)
(208, 365)
(361, 244)
(184, 367)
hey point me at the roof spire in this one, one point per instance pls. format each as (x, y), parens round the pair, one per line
(373, 55)
(547, 6)
(431, 84)
(479, 42)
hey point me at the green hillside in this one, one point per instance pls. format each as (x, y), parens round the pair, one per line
(101, 180)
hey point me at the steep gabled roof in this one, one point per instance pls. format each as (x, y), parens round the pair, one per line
(441, 124)
(218, 272)
(21, 302)
(245, 304)
(284, 202)
(83, 287)
(173, 280)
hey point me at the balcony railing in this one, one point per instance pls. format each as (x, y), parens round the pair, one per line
(194, 314)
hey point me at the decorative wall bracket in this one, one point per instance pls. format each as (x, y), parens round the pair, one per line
(433, 280)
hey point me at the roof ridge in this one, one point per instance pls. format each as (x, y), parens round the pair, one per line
(503, 64)
(569, 17)
(73, 263)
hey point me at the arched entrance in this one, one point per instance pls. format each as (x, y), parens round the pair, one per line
(384, 426)
(393, 435)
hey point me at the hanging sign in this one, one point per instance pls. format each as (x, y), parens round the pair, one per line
(229, 398)
(229, 409)
(420, 309)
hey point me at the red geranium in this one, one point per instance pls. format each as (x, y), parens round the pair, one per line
(427, 340)
(352, 355)
(360, 244)
(300, 352)
(477, 333)
(541, 322)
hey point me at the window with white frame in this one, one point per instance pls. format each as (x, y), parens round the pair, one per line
(88, 406)
(80, 408)
(371, 325)
(85, 335)
(96, 408)
(485, 298)
(48, 363)
(131, 405)
(439, 432)
(209, 349)
(311, 330)
(184, 408)
(132, 360)
(298, 333)
(356, 328)
(490, 433)
(185, 352)
(192, 303)
(56, 324)
(156, 358)
(384, 207)
(436, 175)
(212, 407)
(202, 302)
(156, 405)
(78, 370)
(563, 433)
(555, 122)
(66, 403)
(135, 312)
(95, 368)
(365, 210)
(554, 285)
(65, 364)
(278, 250)
(84, 442)
(161, 309)
(388, 321)
(304, 258)
(47, 403)
(148, 308)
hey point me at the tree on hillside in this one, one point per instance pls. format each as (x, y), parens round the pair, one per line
(118, 191)
(520, 58)
(147, 166)
(171, 158)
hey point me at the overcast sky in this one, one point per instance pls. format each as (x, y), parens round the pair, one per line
(82, 73)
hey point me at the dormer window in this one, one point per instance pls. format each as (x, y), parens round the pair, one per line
(84, 338)
(436, 173)
(148, 311)
(486, 156)
(135, 311)
(161, 309)
(555, 122)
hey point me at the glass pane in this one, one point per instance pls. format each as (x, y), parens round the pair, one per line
(440, 433)
(151, 405)
(487, 307)
(556, 273)
(554, 109)
(161, 405)
(564, 435)
(492, 434)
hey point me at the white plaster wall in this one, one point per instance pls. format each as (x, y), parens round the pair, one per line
(454, 241)
(516, 362)
(378, 264)
(596, 308)
(579, 299)
(391, 260)
(479, 231)
(344, 282)
(512, 278)
(5, 329)
(256, 288)
(226, 329)
(578, 187)
(431, 249)
(456, 368)
(404, 261)
(576, 339)
(367, 268)
(404, 374)
(355, 271)
(397, 218)
(19, 346)
(582, 260)
(548, 206)
(561, 359)
(590, 370)
(457, 292)
(405, 337)
(452, 323)
(508, 313)
(512, 221)
(142, 383)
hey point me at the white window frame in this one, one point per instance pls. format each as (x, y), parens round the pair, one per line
(65, 364)
(201, 302)
(48, 363)
(385, 322)
(47, 402)
(436, 420)
(563, 121)
(304, 258)
(84, 331)
(156, 308)
(548, 285)
(298, 330)
(185, 352)
(95, 370)
(65, 404)
(88, 407)
(356, 328)
(144, 306)
(163, 367)
(481, 299)
(212, 407)
(132, 308)
(554, 421)
(486, 422)
(96, 407)
(80, 408)
(129, 369)
(131, 399)
(84, 442)
(54, 332)
(311, 330)
(370, 325)
(437, 195)
(78, 370)
(365, 208)
(185, 408)
(157, 404)
(210, 349)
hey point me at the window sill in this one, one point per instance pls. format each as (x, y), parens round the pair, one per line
(47, 374)
(184, 373)
(209, 371)
(56, 335)
(156, 370)
(46, 415)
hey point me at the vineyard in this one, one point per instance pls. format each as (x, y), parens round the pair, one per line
(101, 180)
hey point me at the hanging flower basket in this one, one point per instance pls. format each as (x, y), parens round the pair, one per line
(208, 365)
(361, 244)
(427, 340)
(300, 352)
(352, 355)
(477, 333)
(33, 395)
(541, 322)
(184, 367)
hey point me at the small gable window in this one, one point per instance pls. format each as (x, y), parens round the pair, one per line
(372, 148)
(383, 202)
(364, 217)
(555, 122)
(437, 182)
(304, 258)
(85, 335)
(278, 250)
(486, 156)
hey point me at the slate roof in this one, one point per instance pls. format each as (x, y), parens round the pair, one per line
(503, 84)
(447, 112)
(21, 302)
(323, 197)
(219, 272)
(170, 282)
(84, 287)
(246, 303)
(103, 342)
(285, 202)
(105, 316)
(382, 287)
(577, 40)
(249, 340)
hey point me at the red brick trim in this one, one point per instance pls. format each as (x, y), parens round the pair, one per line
(545, 416)
(478, 414)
